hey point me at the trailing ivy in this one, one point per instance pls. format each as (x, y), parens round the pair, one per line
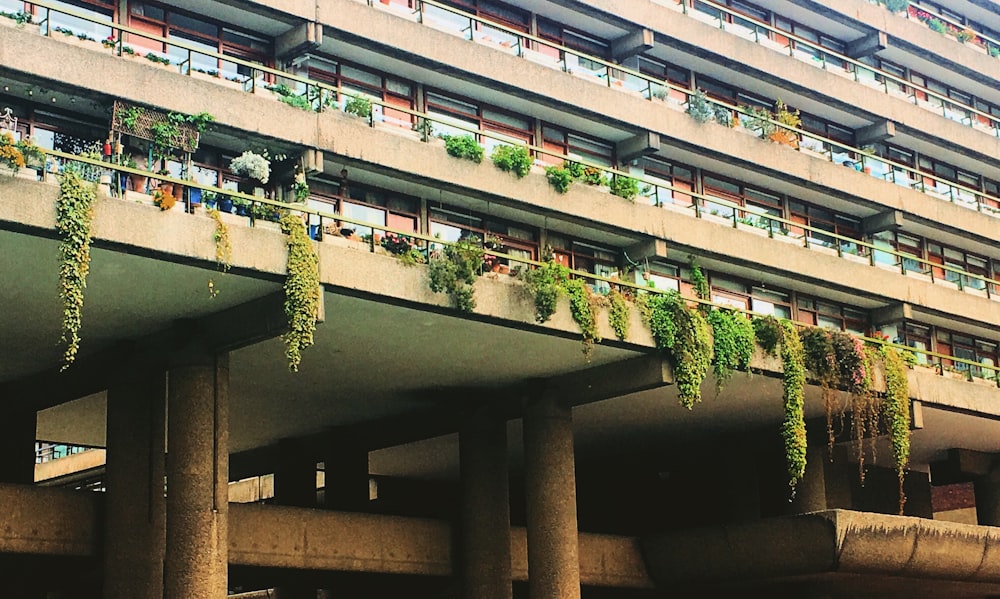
(732, 343)
(767, 330)
(896, 413)
(793, 427)
(700, 283)
(302, 289)
(546, 283)
(74, 216)
(684, 334)
(223, 247)
(584, 311)
(454, 270)
(618, 314)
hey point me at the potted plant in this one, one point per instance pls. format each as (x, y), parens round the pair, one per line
(252, 166)
(10, 155)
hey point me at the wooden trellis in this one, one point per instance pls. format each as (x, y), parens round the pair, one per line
(187, 136)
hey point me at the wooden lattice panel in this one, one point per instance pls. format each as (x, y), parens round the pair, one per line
(187, 137)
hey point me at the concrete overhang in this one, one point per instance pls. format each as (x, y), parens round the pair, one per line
(848, 552)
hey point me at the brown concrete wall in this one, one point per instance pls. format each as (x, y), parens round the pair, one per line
(42, 521)
(78, 462)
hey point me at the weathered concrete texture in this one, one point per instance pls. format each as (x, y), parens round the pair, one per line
(135, 521)
(197, 478)
(37, 520)
(484, 529)
(550, 498)
(835, 541)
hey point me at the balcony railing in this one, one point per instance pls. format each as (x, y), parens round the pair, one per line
(819, 56)
(47, 452)
(427, 243)
(320, 96)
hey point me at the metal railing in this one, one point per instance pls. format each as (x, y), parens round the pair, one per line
(322, 95)
(430, 243)
(826, 56)
(47, 452)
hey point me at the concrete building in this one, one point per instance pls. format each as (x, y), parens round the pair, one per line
(425, 451)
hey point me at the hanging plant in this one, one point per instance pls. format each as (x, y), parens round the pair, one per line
(618, 314)
(793, 427)
(896, 413)
(454, 270)
(583, 308)
(732, 343)
(767, 331)
(701, 287)
(546, 283)
(74, 215)
(223, 247)
(866, 409)
(684, 334)
(302, 289)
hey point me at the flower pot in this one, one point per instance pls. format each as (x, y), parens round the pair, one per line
(166, 187)
(225, 204)
(194, 196)
(242, 210)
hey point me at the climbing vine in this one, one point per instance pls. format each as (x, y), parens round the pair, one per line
(583, 308)
(896, 413)
(454, 269)
(700, 283)
(302, 290)
(618, 314)
(732, 343)
(74, 216)
(793, 427)
(684, 334)
(767, 330)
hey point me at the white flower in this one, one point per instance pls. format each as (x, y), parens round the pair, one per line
(251, 165)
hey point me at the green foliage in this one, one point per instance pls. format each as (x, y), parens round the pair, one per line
(895, 6)
(463, 146)
(896, 413)
(546, 283)
(359, 106)
(624, 187)
(701, 288)
(618, 313)
(937, 25)
(593, 176)
(576, 169)
(699, 108)
(454, 270)
(74, 215)
(767, 330)
(559, 177)
(514, 159)
(297, 101)
(584, 311)
(732, 343)
(684, 334)
(151, 57)
(300, 189)
(793, 427)
(302, 289)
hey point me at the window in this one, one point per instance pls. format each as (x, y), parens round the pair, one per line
(667, 173)
(471, 114)
(358, 81)
(830, 315)
(562, 141)
(518, 240)
(580, 255)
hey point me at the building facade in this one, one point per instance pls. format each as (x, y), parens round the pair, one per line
(833, 164)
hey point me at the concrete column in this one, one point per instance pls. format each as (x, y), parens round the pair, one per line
(550, 497)
(294, 475)
(197, 478)
(987, 489)
(346, 473)
(136, 509)
(485, 517)
(810, 493)
(17, 445)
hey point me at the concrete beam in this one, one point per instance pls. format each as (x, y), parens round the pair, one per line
(876, 132)
(891, 313)
(648, 249)
(637, 146)
(890, 220)
(630, 44)
(612, 380)
(298, 40)
(312, 161)
(868, 45)
(41, 521)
